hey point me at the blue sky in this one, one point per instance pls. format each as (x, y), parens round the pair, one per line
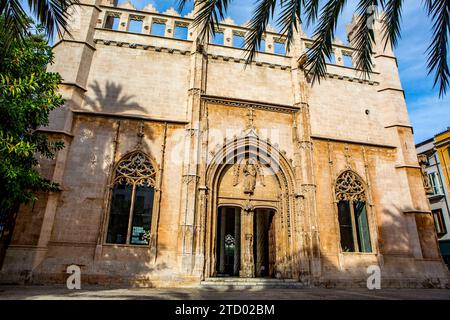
(428, 113)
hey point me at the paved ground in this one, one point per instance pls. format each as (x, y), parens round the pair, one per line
(53, 292)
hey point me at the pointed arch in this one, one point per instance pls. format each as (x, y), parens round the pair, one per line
(350, 192)
(232, 152)
(135, 167)
(133, 201)
(350, 186)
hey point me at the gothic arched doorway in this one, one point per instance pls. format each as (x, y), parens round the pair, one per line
(250, 213)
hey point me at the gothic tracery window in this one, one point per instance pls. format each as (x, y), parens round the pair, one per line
(352, 213)
(132, 201)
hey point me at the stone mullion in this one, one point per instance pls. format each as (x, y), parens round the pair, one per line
(247, 239)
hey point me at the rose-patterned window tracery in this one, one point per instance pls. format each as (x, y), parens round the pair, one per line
(352, 214)
(349, 187)
(132, 200)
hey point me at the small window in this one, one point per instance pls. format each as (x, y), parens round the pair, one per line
(238, 41)
(331, 59)
(112, 23)
(135, 26)
(158, 29)
(262, 46)
(279, 48)
(435, 184)
(439, 222)
(181, 32)
(217, 38)
(348, 60)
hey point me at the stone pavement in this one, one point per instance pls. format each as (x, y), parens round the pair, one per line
(98, 292)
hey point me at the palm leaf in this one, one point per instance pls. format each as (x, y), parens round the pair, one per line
(391, 22)
(439, 11)
(311, 11)
(290, 19)
(16, 23)
(263, 12)
(52, 14)
(365, 36)
(208, 16)
(323, 35)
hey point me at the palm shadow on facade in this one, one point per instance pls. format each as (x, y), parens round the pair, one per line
(111, 99)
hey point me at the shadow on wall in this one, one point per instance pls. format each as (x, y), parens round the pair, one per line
(111, 99)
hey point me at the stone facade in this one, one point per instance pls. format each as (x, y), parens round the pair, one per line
(197, 114)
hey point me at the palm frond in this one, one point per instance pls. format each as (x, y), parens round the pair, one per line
(365, 36)
(391, 22)
(209, 14)
(15, 22)
(439, 11)
(263, 12)
(290, 19)
(311, 11)
(182, 4)
(52, 14)
(323, 39)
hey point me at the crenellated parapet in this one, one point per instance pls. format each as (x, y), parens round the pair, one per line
(227, 42)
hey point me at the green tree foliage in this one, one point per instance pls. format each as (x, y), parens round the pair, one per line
(27, 94)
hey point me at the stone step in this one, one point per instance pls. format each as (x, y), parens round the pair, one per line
(250, 283)
(249, 280)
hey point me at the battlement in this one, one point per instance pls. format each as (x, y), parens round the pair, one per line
(131, 23)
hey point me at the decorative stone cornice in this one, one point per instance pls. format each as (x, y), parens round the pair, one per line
(249, 104)
(140, 46)
(126, 116)
(190, 178)
(352, 79)
(362, 143)
(243, 61)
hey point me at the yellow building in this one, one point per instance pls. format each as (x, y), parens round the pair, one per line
(442, 144)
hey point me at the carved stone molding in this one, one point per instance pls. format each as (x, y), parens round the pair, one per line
(135, 168)
(349, 187)
(249, 104)
(423, 162)
(189, 178)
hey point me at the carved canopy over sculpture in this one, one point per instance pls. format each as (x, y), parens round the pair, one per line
(135, 169)
(349, 187)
